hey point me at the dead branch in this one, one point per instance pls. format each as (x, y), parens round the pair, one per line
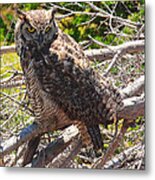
(47, 154)
(132, 109)
(12, 84)
(101, 54)
(103, 13)
(127, 155)
(113, 146)
(98, 13)
(16, 79)
(7, 49)
(19, 103)
(100, 43)
(106, 54)
(115, 58)
(134, 88)
(15, 141)
(64, 160)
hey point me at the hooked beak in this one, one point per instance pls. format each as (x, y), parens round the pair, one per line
(40, 38)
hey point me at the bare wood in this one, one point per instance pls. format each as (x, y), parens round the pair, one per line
(15, 141)
(7, 49)
(66, 157)
(100, 43)
(12, 84)
(115, 58)
(27, 134)
(100, 54)
(116, 161)
(106, 54)
(54, 148)
(126, 22)
(134, 88)
(30, 150)
(133, 108)
(113, 146)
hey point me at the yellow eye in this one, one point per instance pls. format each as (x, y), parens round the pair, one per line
(31, 29)
(47, 29)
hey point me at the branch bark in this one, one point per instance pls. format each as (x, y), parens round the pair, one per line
(7, 49)
(136, 46)
(12, 84)
(106, 54)
(15, 141)
(134, 88)
(101, 162)
(133, 107)
(66, 157)
(47, 154)
(129, 154)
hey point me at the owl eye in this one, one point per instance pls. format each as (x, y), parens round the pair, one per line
(47, 29)
(31, 29)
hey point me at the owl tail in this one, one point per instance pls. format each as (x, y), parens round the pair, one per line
(96, 137)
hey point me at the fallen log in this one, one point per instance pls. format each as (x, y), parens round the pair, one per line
(133, 107)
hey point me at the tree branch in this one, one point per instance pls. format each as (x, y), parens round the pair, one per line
(134, 88)
(129, 154)
(115, 58)
(7, 49)
(106, 54)
(15, 141)
(101, 162)
(133, 107)
(12, 84)
(66, 157)
(136, 46)
(47, 154)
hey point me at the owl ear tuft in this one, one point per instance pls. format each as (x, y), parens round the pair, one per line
(53, 11)
(21, 15)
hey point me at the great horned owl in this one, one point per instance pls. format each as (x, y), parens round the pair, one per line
(61, 86)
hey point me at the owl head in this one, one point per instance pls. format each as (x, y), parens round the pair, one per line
(36, 27)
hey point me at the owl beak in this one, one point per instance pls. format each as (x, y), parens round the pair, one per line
(40, 38)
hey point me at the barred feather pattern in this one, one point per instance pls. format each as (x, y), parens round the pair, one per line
(63, 89)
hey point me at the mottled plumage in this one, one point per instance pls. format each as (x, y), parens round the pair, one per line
(62, 88)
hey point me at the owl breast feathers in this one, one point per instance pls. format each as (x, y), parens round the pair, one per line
(62, 88)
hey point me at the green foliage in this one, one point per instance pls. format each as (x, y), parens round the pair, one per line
(133, 10)
(12, 59)
(79, 26)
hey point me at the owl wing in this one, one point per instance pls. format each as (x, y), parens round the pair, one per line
(79, 91)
